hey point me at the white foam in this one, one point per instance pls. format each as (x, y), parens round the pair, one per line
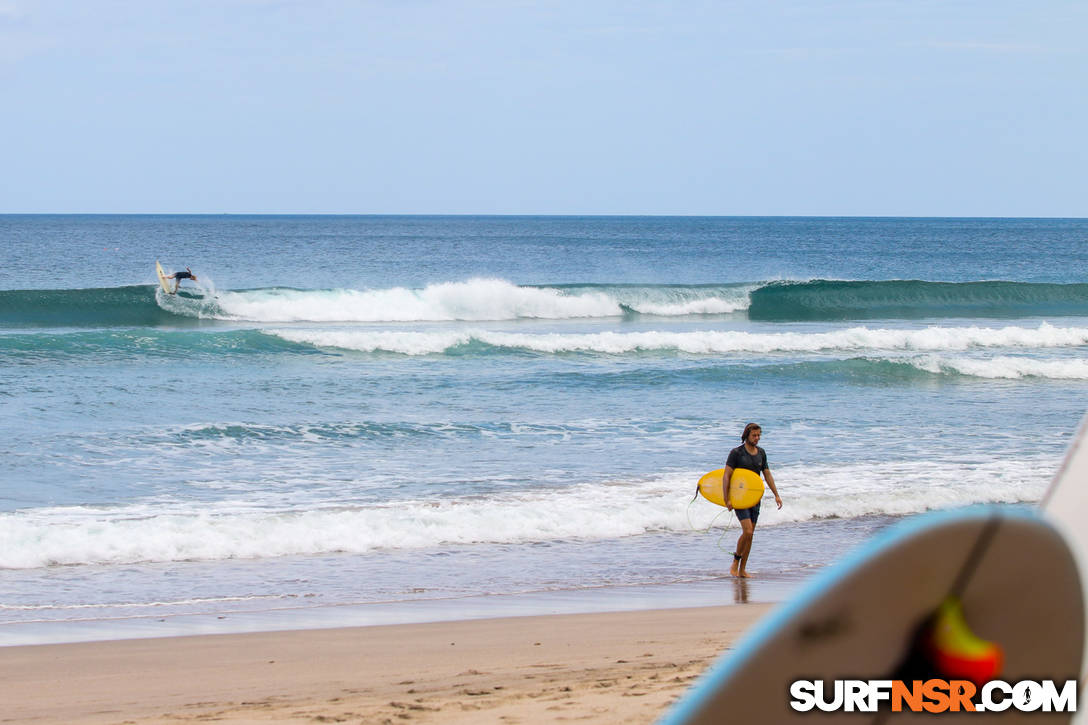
(708, 306)
(1005, 367)
(472, 300)
(405, 343)
(477, 299)
(140, 605)
(225, 530)
(855, 339)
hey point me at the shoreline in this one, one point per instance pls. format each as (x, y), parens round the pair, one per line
(597, 600)
(598, 668)
(42, 611)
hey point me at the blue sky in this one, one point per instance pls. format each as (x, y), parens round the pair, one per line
(737, 108)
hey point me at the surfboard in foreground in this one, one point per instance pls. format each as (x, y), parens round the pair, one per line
(1066, 505)
(987, 591)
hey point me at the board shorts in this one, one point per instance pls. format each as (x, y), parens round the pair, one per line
(748, 513)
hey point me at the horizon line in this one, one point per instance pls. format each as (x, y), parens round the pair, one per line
(562, 215)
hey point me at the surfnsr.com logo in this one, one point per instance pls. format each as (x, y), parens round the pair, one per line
(933, 696)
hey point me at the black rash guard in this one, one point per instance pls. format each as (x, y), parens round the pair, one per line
(739, 457)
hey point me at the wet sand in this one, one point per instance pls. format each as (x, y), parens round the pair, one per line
(623, 667)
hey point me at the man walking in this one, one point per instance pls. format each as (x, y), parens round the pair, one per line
(749, 456)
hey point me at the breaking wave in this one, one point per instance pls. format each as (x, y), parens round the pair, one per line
(495, 299)
(227, 530)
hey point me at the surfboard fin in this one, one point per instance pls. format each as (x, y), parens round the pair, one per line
(945, 647)
(956, 651)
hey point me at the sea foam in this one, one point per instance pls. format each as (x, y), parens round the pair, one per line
(471, 300)
(168, 531)
(854, 339)
(1005, 367)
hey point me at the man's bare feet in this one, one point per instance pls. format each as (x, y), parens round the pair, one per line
(743, 575)
(733, 570)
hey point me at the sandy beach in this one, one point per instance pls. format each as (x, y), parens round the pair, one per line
(593, 668)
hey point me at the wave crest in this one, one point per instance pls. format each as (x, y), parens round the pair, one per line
(478, 300)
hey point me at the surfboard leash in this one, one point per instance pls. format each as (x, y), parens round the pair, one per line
(725, 529)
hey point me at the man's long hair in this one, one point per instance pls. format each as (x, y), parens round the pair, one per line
(748, 429)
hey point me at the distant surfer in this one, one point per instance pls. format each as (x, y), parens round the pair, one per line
(750, 456)
(178, 276)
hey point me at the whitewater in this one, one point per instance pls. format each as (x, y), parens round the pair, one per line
(167, 531)
(854, 339)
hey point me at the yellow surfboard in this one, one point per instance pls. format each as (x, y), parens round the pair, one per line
(745, 488)
(162, 278)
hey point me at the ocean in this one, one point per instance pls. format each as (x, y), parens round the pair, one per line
(361, 419)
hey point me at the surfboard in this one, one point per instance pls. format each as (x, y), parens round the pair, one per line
(1009, 570)
(745, 488)
(1065, 504)
(162, 278)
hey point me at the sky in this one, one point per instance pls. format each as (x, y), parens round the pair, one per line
(798, 107)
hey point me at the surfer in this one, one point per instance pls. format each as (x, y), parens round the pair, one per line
(750, 456)
(178, 276)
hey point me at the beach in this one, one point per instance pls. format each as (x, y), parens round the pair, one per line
(360, 362)
(592, 668)
(356, 440)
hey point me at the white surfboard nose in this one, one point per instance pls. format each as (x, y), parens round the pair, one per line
(1066, 506)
